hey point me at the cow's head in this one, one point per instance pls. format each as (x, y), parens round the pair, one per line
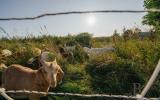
(54, 72)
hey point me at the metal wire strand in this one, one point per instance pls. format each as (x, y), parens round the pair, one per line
(79, 12)
(69, 94)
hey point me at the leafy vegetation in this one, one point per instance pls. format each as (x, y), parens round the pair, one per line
(152, 18)
(113, 72)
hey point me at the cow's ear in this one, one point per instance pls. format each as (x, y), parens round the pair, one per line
(55, 61)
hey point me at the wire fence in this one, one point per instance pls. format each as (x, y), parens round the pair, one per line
(3, 93)
(79, 12)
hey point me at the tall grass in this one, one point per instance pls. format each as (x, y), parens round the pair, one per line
(114, 72)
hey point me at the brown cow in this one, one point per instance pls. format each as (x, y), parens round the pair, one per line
(17, 77)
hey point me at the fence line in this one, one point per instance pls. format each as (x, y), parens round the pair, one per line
(73, 94)
(70, 94)
(79, 12)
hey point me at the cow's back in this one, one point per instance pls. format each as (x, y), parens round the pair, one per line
(17, 77)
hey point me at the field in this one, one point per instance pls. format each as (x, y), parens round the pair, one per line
(113, 72)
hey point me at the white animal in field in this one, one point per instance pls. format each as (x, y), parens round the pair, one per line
(6, 52)
(97, 50)
(70, 48)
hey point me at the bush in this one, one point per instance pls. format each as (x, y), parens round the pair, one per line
(114, 78)
(80, 56)
(84, 39)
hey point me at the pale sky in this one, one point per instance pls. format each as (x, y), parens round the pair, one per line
(98, 24)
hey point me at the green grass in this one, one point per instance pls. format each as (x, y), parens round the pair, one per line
(112, 72)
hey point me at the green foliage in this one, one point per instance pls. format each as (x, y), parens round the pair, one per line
(133, 61)
(152, 18)
(100, 42)
(114, 78)
(84, 39)
(130, 34)
(112, 72)
(79, 55)
(76, 80)
(143, 53)
(144, 56)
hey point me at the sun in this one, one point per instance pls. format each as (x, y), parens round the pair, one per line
(91, 20)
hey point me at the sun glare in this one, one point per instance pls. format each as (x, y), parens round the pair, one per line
(91, 20)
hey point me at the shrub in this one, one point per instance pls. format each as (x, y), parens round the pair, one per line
(84, 39)
(115, 78)
(80, 55)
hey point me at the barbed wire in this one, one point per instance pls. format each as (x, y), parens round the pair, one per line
(79, 12)
(70, 94)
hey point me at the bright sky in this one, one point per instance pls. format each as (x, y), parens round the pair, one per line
(98, 24)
